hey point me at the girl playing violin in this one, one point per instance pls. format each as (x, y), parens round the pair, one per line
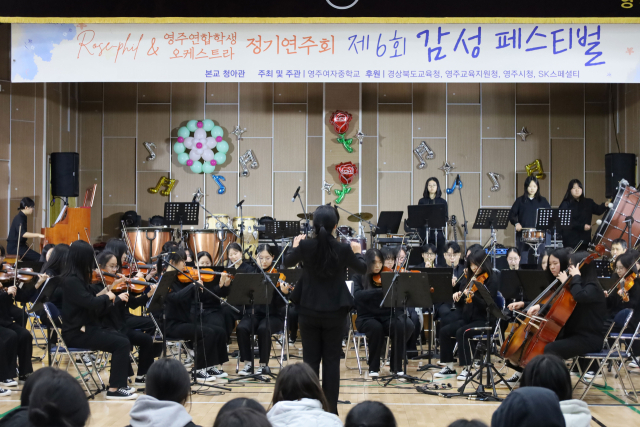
(388, 256)
(212, 311)
(616, 304)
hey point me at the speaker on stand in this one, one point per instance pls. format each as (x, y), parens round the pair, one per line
(618, 166)
(65, 177)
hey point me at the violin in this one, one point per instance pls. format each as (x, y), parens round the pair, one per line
(132, 285)
(138, 267)
(624, 285)
(480, 279)
(24, 274)
(377, 278)
(281, 279)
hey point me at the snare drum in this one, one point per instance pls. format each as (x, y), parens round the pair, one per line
(360, 239)
(148, 241)
(531, 235)
(213, 241)
(218, 222)
(613, 224)
(250, 231)
(345, 231)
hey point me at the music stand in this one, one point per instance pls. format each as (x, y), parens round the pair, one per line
(492, 219)
(427, 216)
(181, 213)
(510, 285)
(156, 304)
(553, 219)
(608, 282)
(389, 222)
(533, 283)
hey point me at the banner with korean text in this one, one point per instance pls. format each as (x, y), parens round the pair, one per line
(597, 53)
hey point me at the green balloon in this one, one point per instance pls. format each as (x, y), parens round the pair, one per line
(220, 158)
(178, 147)
(208, 168)
(182, 158)
(183, 132)
(222, 146)
(217, 131)
(196, 167)
(192, 125)
(208, 124)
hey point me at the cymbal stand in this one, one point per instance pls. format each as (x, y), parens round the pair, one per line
(372, 227)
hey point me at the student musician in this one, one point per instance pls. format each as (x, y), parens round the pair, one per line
(119, 248)
(388, 256)
(429, 254)
(376, 321)
(513, 258)
(81, 312)
(235, 260)
(544, 260)
(452, 254)
(474, 315)
(617, 307)
(267, 319)
(582, 209)
(618, 247)
(212, 310)
(432, 195)
(523, 214)
(401, 256)
(17, 244)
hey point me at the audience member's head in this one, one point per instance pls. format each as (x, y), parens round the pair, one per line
(167, 379)
(242, 417)
(241, 402)
(298, 381)
(548, 371)
(467, 423)
(370, 414)
(58, 400)
(40, 374)
(529, 407)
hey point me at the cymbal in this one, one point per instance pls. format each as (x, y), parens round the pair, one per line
(305, 216)
(366, 216)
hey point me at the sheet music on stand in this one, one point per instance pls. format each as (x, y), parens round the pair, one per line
(497, 219)
(547, 219)
(180, 213)
(62, 214)
(281, 229)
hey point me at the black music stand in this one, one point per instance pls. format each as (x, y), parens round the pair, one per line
(389, 222)
(510, 285)
(608, 282)
(427, 217)
(251, 289)
(181, 213)
(533, 283)
(553, 219)
(492, 219)
(156, 304)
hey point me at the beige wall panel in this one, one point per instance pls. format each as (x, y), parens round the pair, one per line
(368, 170)
(119, 171)
(596, 124)
(566, 164)
(394, 92)
(90, 91)
(632, 113)
(187, 103)
(498, 110)
(314, 170)
(39, 157)
(315, 93)
(150, 204)
(226, 116)
(594, 186)
(222, 203)
(90, 138)
(111, 220)
(22, 153)
(284, 185)
(290, 142)
(430, 110)
(65, 115)
(394, 140)
(290, 92)
(463, 137)
(5, 119)
(463, 93)
(393, 192)
(5, 51)
(498, 155)
(87, 179)
(370, 108)
(505, 237)
(154, 92)
(532, 93)
(154, 126)
(23, 97)
(471, 198)
(420, 176)
(120, 101)
(186, 184)
(596, 92)
(53, 117)
(536, 119)
(256, 212)
(4, 202)
(256, 188)
(256, 108)
(222, 93)
(567, 110)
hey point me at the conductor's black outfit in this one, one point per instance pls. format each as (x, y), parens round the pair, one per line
(581, 213)
(323, 304)
(436, 236)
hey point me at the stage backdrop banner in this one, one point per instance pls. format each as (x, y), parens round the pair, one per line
(593, 53)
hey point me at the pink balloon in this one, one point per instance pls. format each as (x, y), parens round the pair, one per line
(199, 145)
(200, 124)
(189, 162)
(218, 138)
(181, 139)
(213, 163)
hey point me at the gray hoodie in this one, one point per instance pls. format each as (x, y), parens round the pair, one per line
(576, 413)
(148, 411)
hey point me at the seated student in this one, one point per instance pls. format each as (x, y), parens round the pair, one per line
(242, 417)
(617, 307)
(267, 319)
(549, 371)
(236, 260)
(544, 260)
(20, 416)
(212, 311)
(400, 253)
(452, 253)
(467, 423)
(45, 251)
(529, 407)
(388, 256)
(298, 400)
(513, 258)
(241, 402)
(58, 400)
(618, 247)
(428, 256)
(181, 324)
(168, 389)
(370, 413)
(375, 321)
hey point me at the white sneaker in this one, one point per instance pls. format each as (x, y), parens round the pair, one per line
(514, 380)
(445, 372)
(218, 373)
(374, 374)
(633, 365)
(259, 369)
(9, 383)
(203, 377)
(589, 375)
(122, 393)
(463, 375)
(4, 392)
(246, 370)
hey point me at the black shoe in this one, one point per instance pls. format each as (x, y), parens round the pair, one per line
(123, 393)
(140, 381)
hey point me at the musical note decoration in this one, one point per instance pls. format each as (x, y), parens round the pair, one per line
(524, 133)
(535, 168)
(447, 167)
(420, 152)
(326, 186)
(218, 179)
(165, 182)
(197, 196)
(493, 176)
(248, 160)
(238, 132)
(150, 146)
(360, 136)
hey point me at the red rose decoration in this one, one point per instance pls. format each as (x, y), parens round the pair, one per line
(347, 171)
(340, 121)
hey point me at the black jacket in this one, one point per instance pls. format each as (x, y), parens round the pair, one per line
(115, 318)
(590, 313)
(81, 307)
(315, 294)
(179, 301)
(432, 235)
(581, 213)
(615, 303)
(19, 223)
(368, 300)
(477, 309)
(524, 210)
(529, 407)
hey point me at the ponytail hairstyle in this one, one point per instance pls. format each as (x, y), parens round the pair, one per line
(58, 400)
(57, 260)
(369, 259)
(325, 218)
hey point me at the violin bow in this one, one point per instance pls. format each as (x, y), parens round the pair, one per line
(15, 268)
(279, 256)
(106, 289)
(196, 261)
(132, 252)
(478, 269)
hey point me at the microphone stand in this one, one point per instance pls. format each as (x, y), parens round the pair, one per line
(304, 211)
(465, 229)
(372, 228)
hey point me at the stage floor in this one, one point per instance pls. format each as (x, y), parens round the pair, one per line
(412, 409)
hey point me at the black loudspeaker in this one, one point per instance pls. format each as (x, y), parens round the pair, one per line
(618, 166)
(65, 179)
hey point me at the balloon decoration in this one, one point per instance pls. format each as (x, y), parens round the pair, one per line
(218, 179)
(201, 158)
(456, 183)
(197, 196)
(165, 182)
(340, 121)
(346, 172)
(248, 159)
(493, 176)
(524, 133)
(150, 146)
(535, 168)
(447, 167)
(420, 152)
(326, 186)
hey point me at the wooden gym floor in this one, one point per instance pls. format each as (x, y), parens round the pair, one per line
(410, 407)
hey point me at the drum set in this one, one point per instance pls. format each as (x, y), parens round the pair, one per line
(346, 233)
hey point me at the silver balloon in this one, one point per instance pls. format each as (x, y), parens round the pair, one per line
(248, 160)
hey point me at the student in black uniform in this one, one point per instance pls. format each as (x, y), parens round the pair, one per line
(618, 309)
(432, 195)
(523, 214)
(513, 258)
(236, 260)
(322, 296)
(17, 244)
(388, 256)
(452, 254)
(429, 254)
(212, 311)
(582, 209)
